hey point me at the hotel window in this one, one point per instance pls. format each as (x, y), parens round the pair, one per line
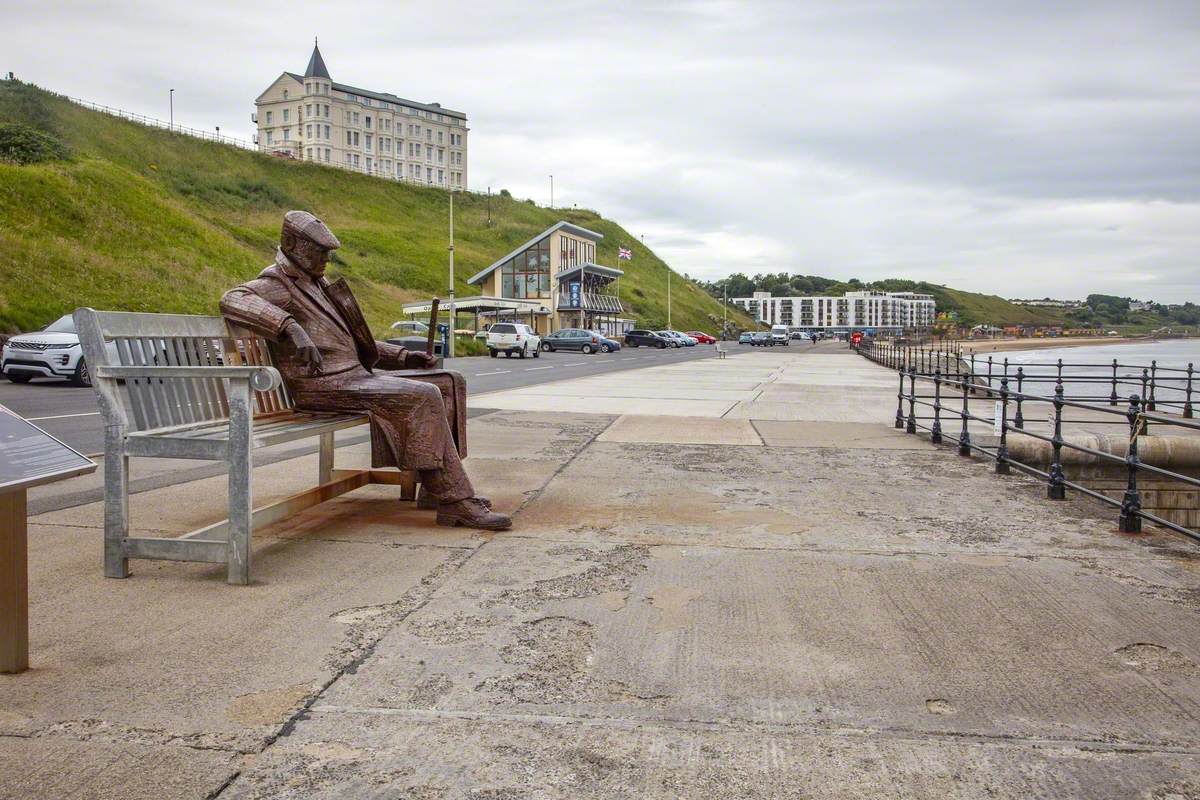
(326, 131)
(367, 122)
(269, 137)
(349, 139)
(356, 138)
(441, 177)
(369, 167)
(440, 139)
(285, 114)
(428, 152)
(308, 110)
(308, 131)
(308, 153)
(356, 159)
(368, 142)
(429, 134)
(285, 94)
(429, 174)
(441, 156)
(326, 112)
(326, 153)
(268, 117)
(287, 134)
(527, 274)
(355, 117)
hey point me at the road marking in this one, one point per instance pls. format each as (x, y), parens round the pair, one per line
(497, 372)
(573, 364)
(534, 369)
(63, 416)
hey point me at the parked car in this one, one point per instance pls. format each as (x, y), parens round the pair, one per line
(779, 335)
(571, 339)
(702, 338)
(482, 333)
(53, 352)
(762, 339)
(746, 338)
(607, 345)
(799, 336)
(513, 337)
(641, 338)
(684, 339)
(410, 328)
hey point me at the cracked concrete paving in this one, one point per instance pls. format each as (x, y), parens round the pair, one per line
(666, 620)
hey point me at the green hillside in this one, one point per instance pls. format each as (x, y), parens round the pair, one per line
(141, 219)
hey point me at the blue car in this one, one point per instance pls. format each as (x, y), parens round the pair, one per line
(607, 345)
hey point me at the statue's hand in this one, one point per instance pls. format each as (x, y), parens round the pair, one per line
(306, 351)
(415, 359)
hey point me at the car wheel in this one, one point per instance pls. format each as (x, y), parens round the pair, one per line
(586, 349)
(662, 345)
(632, 344)
(19, 377)
(605, 348)
(82, 376)
(546, 347)
(491, 352)
(537, 351)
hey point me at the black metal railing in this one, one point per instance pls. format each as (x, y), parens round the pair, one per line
(1161, 388)
(941, 405)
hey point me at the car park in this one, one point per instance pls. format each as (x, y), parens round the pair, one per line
(643, 338)
(513, 337)
(677, 339)
(53, 352)
(685, 340)
(571, 339)
(702, 338)
(746, 338)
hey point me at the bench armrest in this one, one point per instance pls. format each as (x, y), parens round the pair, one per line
(262, 379)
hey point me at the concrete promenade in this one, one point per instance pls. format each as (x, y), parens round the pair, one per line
(727, 579)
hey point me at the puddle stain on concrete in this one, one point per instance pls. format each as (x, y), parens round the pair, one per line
(671, 604)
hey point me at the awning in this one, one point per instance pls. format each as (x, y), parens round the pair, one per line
(611, 273)
(481, 303)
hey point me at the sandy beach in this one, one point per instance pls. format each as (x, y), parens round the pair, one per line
(1004, 345)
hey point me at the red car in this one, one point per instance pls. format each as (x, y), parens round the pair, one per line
(702, 338)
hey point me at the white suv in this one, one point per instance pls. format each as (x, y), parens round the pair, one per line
(53, 352)
(513, 337)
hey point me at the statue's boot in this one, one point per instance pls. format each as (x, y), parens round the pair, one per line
(472, 513)
(427, 500)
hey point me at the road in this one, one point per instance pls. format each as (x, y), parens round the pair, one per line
(70, 413)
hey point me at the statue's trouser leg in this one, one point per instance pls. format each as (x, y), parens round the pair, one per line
(450, 483)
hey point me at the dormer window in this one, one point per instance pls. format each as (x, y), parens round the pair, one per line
(285, 94)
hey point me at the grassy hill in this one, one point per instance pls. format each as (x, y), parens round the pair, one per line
(142, 219)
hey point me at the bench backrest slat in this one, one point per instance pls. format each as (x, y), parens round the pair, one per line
(130, 339)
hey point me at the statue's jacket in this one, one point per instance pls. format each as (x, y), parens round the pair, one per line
(415, 414)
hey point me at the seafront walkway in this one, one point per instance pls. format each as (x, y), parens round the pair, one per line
(726, 579)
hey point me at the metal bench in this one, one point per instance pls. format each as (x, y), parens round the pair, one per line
(196, 387)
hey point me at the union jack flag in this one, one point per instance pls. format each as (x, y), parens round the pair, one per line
(624, 253)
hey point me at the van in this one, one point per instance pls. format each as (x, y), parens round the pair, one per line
(780, 334)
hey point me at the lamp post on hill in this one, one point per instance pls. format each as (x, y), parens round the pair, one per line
(171, 101)
(552, 191)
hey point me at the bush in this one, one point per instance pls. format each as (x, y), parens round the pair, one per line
(21, 144)
(506, 193)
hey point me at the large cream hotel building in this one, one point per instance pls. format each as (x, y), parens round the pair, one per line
(314, 118)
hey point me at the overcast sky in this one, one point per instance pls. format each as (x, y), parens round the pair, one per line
(1021, 148)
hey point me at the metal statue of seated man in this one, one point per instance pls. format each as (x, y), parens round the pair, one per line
(331, 362)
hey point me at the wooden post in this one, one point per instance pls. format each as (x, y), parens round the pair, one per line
(433, 322)
(14, 583)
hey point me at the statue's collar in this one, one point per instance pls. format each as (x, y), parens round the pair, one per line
(291, 268)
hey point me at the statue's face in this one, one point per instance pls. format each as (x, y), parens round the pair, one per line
(310, 256)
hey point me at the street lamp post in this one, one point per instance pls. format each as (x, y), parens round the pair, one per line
(171, 100)
(450, 338)
(552, 191)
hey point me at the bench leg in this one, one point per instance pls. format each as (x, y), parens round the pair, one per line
(325, 470)
(241, 496)
(116, 504)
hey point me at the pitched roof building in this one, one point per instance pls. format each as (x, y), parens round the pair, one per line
(314, 118)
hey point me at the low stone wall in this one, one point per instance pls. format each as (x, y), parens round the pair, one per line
(1172, 500)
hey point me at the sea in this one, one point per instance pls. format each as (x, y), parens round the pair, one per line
(1088, 372)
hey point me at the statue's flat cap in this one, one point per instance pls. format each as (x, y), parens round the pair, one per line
(304, 224)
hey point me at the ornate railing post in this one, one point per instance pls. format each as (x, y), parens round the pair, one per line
(935, 432)
(1187, 398)
(1019, 418)
(964, 438)
(900, 403)
(1002, 467)
(911, 425)
(1130, 520)
(1142, 399)
(973, 370)
(1112, 397)
(1057, 488)
(1058, 378)
(989, 376)
(1153, 381)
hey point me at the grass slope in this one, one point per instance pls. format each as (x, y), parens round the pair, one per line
(142, 219)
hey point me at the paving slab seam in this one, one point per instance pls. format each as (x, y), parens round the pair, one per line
(772, 728)
(818, 550)
(444, 572)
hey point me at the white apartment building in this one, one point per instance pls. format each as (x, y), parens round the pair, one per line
(880, 311)
(311, 117)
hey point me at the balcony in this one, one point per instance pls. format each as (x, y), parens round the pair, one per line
(590, 301)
